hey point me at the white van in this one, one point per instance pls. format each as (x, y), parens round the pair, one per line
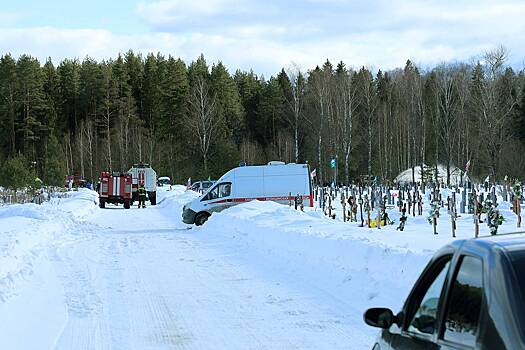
(272, 182)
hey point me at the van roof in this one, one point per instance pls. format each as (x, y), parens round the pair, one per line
(258, 170)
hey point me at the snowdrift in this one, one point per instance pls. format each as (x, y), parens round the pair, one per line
(355, 269)
(28, 231)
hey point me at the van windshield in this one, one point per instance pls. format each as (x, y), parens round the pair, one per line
(221, 190)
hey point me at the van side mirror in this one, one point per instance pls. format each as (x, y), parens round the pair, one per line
(380, 317)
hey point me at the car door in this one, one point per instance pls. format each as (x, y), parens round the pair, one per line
(464, 305)
(419, 328)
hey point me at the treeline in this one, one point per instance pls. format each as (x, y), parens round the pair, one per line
(196, 120)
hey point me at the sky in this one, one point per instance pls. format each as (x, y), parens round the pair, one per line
(266, 36)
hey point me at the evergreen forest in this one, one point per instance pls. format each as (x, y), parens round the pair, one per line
(196, 119)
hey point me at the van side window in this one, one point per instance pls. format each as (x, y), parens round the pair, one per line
(219, 191)
(225, 189)
(464, 304)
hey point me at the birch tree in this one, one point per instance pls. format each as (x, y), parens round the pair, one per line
(203, 118)
(295, 103)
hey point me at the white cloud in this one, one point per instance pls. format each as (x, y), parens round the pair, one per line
(267, 36)
(174, 11)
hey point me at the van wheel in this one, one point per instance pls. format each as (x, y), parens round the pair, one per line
(102, 204)
(127, 204)
(201, 218)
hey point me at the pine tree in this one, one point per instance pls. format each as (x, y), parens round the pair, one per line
(16, 173)
(8, 96)
(174, 86)
(228, 100)
(31, 107)
(55, 165)
(271, 111)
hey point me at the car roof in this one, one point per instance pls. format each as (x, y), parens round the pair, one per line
(503, 242)
(509, 241)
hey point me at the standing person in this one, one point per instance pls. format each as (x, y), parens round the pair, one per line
(142, 196)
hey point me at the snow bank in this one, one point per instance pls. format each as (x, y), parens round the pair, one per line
(177, 195)
(353, 267)
(79, 204)
(29, 210)
(324, 251)
(27, 231)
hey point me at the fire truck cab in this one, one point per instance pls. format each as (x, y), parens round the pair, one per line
(115, 188)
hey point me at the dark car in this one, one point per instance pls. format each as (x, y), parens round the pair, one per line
(471, 295)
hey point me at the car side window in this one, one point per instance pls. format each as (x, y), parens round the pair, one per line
(220, 191)
(424, 319)
(464, 303)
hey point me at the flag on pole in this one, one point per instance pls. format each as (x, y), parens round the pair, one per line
(313, 173)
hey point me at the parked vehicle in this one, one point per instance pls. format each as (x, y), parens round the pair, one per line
(163, 181)
(76, 180)
(202, 186)
(470, 296)
(115, 188)
(276, 181)
(144, 174)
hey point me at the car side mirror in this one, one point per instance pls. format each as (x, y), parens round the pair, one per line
(379, 317)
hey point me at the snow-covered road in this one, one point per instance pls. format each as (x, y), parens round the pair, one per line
(256, 276)
(127, 287)
(139, 279)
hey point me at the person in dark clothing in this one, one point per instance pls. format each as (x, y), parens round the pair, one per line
(142, 196)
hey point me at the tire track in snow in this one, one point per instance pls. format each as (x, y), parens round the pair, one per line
(159, 288)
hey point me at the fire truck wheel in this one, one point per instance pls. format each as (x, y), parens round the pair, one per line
(127, 204)
(201, 218)
(102, 204)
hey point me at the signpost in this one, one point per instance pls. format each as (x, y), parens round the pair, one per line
(333, 165)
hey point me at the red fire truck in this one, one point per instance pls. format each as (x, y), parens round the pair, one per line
(115, 188)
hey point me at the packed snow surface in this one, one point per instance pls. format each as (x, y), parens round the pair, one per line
(256, 276)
